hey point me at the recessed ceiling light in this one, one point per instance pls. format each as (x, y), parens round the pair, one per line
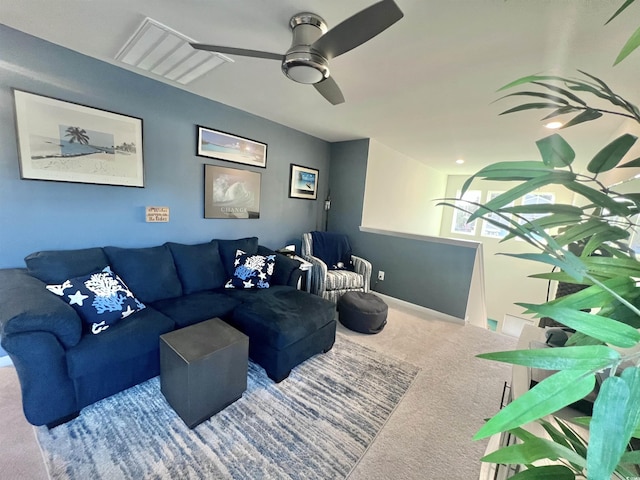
(553, 125)
(460, 161)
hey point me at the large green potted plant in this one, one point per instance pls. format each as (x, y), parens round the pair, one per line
(605, 315)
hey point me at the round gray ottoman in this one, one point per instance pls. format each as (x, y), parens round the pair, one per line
(362, 312)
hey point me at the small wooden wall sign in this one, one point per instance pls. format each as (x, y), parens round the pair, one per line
(157, 214)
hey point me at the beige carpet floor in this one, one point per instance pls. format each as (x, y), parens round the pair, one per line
(427, 437)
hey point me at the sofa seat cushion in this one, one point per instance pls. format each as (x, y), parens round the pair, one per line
(282, 318)
(56, 266)
(256, 294)
(343, 280)
(148, 272)
(199, 266)
(127, 339)
(197, 307)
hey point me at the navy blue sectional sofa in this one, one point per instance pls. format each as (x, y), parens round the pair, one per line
(65, 363)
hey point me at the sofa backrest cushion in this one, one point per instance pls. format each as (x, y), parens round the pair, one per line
(228, 250)
(56, 266)
(199, 266)
(285, 266)
(148, 272)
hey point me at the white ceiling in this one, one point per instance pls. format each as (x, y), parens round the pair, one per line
(423, 87)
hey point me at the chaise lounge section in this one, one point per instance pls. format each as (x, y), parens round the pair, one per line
(64, 365)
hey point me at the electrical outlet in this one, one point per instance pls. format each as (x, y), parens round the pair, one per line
(380, 275)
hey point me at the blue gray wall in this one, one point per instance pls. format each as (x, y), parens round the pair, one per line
(39, 215)
(431, 274)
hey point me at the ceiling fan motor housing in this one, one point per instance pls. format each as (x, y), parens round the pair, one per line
(301, 63)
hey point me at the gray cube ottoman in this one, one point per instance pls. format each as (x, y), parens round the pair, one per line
(362, 312)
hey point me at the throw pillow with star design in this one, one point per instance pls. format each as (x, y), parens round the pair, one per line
(251, 271)
(101, 298)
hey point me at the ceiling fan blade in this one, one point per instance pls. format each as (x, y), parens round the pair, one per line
(358, 29)
(329, 89)
(238, 51)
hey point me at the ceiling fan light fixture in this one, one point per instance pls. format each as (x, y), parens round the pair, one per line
(305, 67)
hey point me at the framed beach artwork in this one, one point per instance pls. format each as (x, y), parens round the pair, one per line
(232, 148)
(68, 142)
(303, 182)
(231, 193)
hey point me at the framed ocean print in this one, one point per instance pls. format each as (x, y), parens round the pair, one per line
(232, 148)
(68, 142)
(303, 182)
(231, 193)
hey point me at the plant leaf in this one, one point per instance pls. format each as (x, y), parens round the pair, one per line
(598, 198)
(531, 79)
(596, 326)
(568, 358)
(620, 10)
(544, 208)
(531, 106)
(585, 116)
(531, 450)
(612, 154)
(578, 443)
(523, 170)
(560, 111)
(545, 472)
(579, 339)
(562, 91)
(546, 96)
(526, 187)
(630, 46)
(607, 428)
(555, 151)
(548, 396)
(612, 234)
(582, 230)
(632, 164)
(595, 296)
(577, 271)
(613, 267)
(631, 457)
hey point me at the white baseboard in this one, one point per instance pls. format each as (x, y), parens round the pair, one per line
(418, 309)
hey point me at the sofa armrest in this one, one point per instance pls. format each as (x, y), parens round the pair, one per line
(27, 306)
(318, 275)
(363, 267)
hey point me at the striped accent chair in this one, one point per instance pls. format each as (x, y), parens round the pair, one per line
(332, 284)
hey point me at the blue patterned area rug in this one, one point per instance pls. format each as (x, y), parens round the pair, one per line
(316, 424)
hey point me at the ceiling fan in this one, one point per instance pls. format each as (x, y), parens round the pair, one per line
(307, 60)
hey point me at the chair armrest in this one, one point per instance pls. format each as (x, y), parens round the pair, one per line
(318, 275)
(363, 267)
(27, 306)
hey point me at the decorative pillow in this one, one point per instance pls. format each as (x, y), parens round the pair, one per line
(101, 299)
(252, 271)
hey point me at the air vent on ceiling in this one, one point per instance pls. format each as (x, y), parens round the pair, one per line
(158, 49)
